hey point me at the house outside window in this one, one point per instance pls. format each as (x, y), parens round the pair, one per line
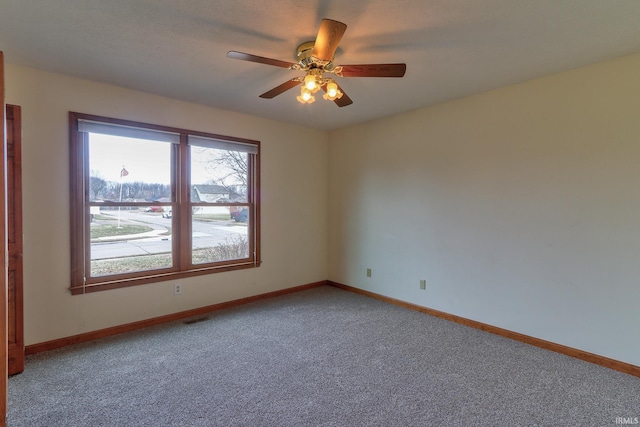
(152, 203)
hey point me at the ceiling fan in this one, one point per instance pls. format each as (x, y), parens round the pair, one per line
(316, 58)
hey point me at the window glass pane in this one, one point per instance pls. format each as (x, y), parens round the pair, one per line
(220, 236)
(129, 169)
(218, 175)
(127, 239)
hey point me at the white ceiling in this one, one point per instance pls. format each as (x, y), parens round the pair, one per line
(452, 48)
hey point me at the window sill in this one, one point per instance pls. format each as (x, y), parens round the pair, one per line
(125, 283)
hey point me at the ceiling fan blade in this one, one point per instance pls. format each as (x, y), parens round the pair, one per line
(374, 70)
(259, 59)
(329, 36)
(343, 101)
(281, 89)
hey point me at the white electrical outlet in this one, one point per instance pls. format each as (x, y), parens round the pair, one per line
(423, 284)
(177, 289)
(368, 272)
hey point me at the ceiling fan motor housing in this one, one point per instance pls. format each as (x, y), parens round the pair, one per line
(308, 61)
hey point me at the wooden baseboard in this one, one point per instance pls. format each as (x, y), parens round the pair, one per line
(617, 365)
(102, 333)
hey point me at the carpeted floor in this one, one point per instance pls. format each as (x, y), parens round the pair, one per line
(322, 357)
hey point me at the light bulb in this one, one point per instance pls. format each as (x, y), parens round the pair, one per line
(305, 96)
(310, 82)
(332, 90)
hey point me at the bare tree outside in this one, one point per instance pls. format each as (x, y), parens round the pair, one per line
(227, 168)
(97, 185)
(137, 190)
(235, 164)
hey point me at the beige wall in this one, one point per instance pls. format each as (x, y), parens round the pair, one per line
(294, 205)
(519, 206)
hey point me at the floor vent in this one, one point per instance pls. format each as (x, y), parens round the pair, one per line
(199, 319)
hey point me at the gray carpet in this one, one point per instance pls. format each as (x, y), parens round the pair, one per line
(322, 357)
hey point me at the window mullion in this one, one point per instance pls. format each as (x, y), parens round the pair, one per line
(184, 237)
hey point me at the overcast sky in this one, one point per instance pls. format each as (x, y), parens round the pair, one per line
(146, 161)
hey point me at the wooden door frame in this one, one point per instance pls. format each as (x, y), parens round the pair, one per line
(15, 321)
(3, 256)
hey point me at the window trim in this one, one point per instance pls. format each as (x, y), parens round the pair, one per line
(181, 205)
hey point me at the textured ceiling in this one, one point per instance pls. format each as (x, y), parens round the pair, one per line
(452, 48)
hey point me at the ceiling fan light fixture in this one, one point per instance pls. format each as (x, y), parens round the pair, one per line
(313, 80)
(333, 92)
(310, 83)
(305, 97)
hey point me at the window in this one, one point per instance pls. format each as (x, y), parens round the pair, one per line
(152, 203)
